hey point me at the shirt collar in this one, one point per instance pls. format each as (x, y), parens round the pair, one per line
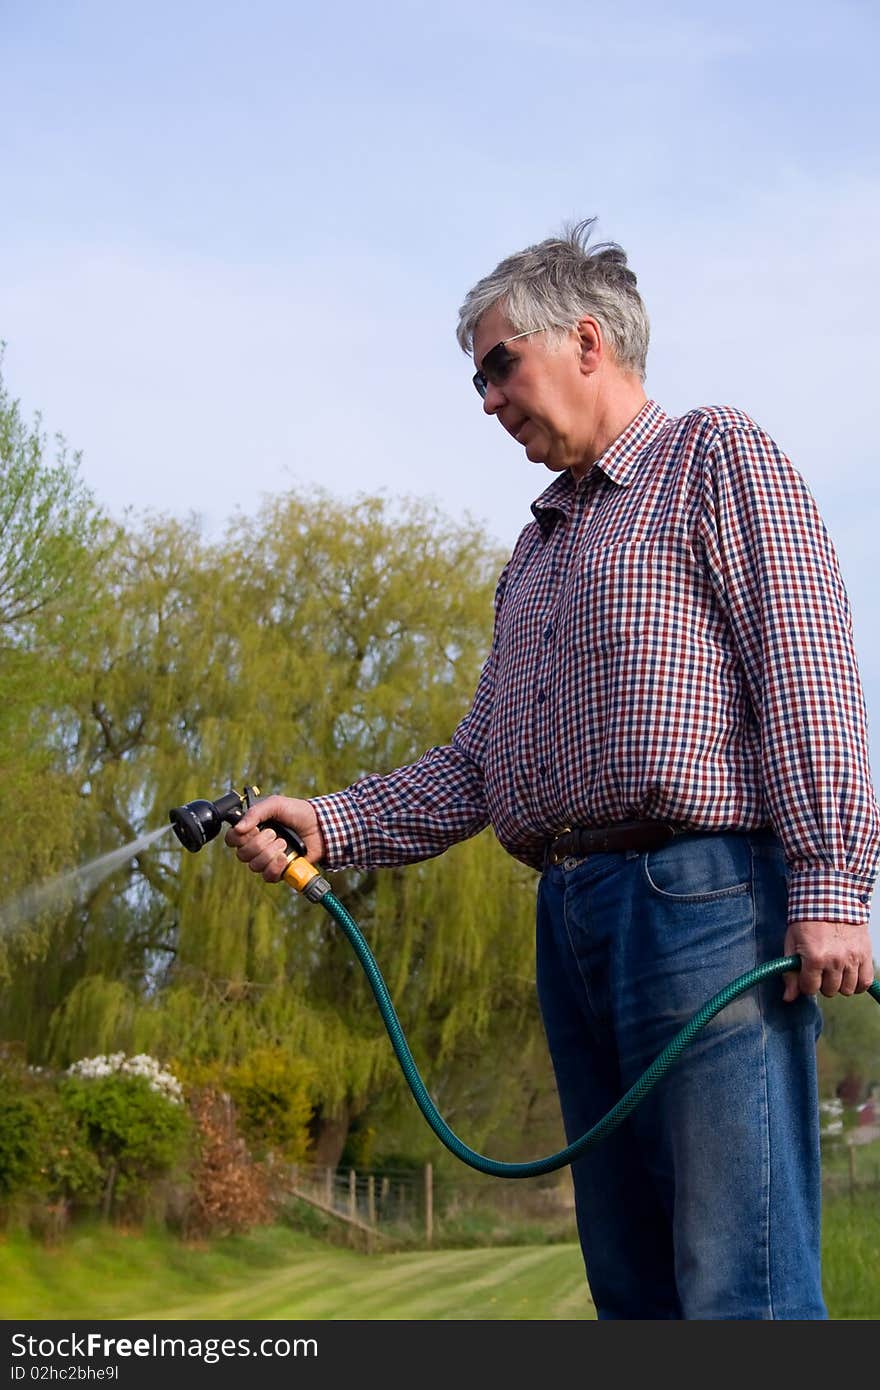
(619, 463)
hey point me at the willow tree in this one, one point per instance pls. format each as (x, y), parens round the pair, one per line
(51, 533)
(314, 643)
(111, 732)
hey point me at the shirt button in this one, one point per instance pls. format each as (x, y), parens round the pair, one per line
(541, 697)
(548, 632)
(543, 769)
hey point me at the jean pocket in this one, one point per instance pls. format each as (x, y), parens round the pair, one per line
(700, 868)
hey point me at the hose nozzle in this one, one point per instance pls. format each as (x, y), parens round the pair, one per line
(197, 822)
(200, 821)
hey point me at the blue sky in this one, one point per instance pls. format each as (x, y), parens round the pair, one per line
(234, 238)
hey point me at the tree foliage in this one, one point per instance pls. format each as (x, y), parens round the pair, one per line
(49, 528)
(314, 642)
(850, 1041)
(52, 535)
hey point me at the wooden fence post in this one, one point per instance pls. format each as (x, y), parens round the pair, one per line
(371, 1200)
(352, 1192)
(429, 1203)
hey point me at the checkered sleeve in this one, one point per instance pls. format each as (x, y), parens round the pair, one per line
(776, 575)
(417, 811)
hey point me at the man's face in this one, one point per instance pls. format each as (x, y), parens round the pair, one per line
(544, 401)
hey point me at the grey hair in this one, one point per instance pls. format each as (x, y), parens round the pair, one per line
(554, 283)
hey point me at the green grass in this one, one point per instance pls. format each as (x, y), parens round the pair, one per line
(275, 1273)
(851, 1255)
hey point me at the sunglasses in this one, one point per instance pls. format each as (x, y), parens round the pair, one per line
(498, 363)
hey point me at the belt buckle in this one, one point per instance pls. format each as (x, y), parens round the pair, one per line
(556, 856)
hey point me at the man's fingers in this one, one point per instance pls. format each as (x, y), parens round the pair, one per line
(835, 958)
(831, 979)
(264, 810)
(248, 825)
(262, 850)
(271, 861)
(809, 979)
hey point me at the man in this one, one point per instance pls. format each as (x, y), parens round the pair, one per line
(670, 728)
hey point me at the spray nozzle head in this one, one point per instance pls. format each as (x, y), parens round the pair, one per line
(200, 821)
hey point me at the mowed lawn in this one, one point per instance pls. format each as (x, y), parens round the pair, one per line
(278, 1274)
(514, 1283)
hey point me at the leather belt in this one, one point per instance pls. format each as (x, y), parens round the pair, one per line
(577, 841)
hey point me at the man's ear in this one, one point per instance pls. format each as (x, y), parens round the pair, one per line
(591, 341)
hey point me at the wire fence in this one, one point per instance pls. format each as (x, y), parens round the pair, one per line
(391, 1197)
(415, 1202)
(851, 1165)
(411, 1201)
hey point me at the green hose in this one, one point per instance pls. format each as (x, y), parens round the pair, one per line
(627, 1103)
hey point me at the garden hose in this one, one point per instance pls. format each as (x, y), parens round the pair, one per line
(200, 821)
(627, 1103)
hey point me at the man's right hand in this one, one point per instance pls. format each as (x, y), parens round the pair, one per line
(262, 850)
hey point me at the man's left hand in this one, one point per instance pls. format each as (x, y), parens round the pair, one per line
(835, 959)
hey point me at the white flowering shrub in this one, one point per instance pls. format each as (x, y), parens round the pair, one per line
(158, 1079)
(106, 1134)
(131, 1110)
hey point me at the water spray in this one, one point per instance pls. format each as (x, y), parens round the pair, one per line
(57, 893)
(198, 822)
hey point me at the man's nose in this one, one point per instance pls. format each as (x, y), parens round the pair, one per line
(493, 399)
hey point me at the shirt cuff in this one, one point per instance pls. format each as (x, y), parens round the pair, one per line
(828, 895)
(343, 831)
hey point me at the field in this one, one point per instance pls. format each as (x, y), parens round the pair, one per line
(276, 1273)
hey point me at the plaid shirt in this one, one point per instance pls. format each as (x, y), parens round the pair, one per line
(672, 640)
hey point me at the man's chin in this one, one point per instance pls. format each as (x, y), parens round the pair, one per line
(537, 452)
(540, 450)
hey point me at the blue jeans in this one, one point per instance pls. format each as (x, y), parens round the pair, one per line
(705, 1202)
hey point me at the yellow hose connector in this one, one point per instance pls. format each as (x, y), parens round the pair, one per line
(299, 872)
(305, 878)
